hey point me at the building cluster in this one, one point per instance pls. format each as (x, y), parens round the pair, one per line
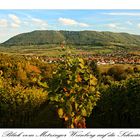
(101, 59)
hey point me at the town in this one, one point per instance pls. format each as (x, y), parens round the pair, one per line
(118, 57)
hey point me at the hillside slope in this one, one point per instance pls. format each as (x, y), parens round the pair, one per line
(73, 37)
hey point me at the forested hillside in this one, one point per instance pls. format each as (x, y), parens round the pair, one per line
(74, 37)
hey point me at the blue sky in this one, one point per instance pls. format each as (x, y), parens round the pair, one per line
(13, 22)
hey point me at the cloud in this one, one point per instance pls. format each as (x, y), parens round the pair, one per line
(67, 21)
(35, 23)
(71, 22)
(138, 25)
(14, 25)
(83, 24)
(3, 23)
(129, 23)
(116, 27)
(112, 25)
(122, 14)
(39, 22)
(15, 21)
(14, 18)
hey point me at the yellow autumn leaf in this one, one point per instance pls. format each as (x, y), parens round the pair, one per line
(60, 112)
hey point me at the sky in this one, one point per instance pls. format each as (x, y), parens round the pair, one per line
(13, 22)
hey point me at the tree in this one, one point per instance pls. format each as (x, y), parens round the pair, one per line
(117, 72)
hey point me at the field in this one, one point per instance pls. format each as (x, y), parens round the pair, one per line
(53, 86)
(47, 50)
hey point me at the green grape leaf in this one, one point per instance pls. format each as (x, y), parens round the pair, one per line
(54, 98)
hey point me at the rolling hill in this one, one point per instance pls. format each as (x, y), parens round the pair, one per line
(94, 38)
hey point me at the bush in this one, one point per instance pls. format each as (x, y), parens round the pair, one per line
(117, 72)
(74, 91)
(119, 105)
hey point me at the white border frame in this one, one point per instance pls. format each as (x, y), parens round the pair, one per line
(69, 4)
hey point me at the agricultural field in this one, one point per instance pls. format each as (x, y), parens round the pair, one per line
(47, 50)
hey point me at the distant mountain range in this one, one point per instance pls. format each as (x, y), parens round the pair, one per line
(94, 38)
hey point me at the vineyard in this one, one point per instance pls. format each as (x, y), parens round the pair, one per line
(72, 93)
